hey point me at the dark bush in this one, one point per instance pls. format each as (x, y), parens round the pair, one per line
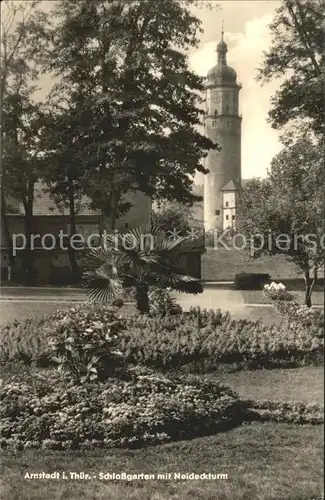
(250, 281)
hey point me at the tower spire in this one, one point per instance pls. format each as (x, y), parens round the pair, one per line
(222, 48)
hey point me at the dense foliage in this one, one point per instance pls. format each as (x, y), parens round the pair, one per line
(87, 348)
(303, 315)
(296, 56)
(131, 103)
(162, 303)
(284, 213)
(196, 340)
(148, 409)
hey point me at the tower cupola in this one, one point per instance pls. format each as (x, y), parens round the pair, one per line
(221, 73)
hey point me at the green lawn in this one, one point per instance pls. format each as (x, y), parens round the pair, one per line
(295, 384)
(262, 461)
(223, 264)
(22, 310)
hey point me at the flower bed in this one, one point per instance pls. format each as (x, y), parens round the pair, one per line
(148, 409)
(204, 339)
(201, 340)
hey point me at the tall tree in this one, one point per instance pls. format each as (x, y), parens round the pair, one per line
(63, 173)
(125, 64)
(297, 56)
(283, 214)
(175, 216)
(22, 37)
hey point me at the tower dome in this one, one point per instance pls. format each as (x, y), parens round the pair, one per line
(221, 73)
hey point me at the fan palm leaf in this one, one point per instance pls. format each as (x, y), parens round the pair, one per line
(142, 258)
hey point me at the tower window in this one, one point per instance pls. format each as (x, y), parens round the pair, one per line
(227, 217)
(217, 212)
(233, 217)
(214, 124)
(227, 203)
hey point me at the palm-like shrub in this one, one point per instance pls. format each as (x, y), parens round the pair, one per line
(140, 259)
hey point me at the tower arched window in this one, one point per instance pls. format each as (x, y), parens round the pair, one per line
(215, 112)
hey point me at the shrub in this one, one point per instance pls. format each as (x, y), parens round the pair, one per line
(24, 341)
(277, 291)
(308, 317)
(292, 413)
(147, 410)
(162, 303)
(86, 345)
(245, 281)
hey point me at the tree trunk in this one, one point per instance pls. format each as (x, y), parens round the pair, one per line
(142, 298)
(110, 219)
(5, 225)
(71, 250)
(308, 287)
(29, 255)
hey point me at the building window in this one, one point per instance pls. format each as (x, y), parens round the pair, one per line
(5, 258)
(217, 212)
(214, 124)
(227, 203)
(126, 225)
(233, 217)
(227, 217)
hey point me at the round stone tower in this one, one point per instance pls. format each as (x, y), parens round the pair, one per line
(222, 125)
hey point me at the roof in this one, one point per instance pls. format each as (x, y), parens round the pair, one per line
(230, 186)
(221, 74)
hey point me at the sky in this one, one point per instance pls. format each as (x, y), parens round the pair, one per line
(247, 36)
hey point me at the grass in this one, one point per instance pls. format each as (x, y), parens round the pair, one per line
(223, 264)
(258, 297)
(263, 462)
(22, 310)
(267, 314)
(304, 384)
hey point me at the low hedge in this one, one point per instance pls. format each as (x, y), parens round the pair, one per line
(291, 413)
(250, 281)
(206, 339)
(201, 340)
(149, 409)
